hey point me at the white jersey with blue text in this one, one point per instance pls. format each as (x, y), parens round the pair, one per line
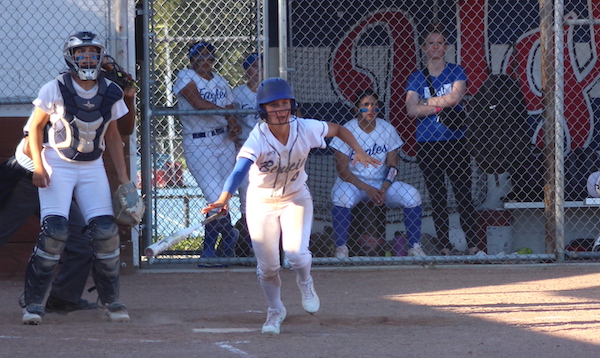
(216, 91)
(278, 169)
(382, 140)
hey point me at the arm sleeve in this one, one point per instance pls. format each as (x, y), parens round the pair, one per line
(241, 169)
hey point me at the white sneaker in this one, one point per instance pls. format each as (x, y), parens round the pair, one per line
(310, 300)
(416, 251)
(341, 252)
(32, 314)
(117, 312)
(273, 323)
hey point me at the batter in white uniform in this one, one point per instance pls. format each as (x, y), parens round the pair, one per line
(357, 183)
(282, 207)
(208, 139)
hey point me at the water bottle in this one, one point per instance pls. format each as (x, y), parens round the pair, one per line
(399, 248)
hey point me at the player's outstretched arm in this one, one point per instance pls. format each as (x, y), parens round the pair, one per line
(335, 130)
(241, 169)
(222, 203)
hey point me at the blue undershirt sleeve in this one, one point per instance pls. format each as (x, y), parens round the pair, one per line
(240, 170)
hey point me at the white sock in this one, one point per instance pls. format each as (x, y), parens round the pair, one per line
(303, 275)
(272, 290)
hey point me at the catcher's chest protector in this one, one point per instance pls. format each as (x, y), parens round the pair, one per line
(84, 120)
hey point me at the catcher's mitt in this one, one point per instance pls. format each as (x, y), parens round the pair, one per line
(114, 72)
(128, 206)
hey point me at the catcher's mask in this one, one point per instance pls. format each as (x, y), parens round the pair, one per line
(86, 66)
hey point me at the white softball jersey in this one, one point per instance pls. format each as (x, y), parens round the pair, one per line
(382, 140)
(278, 169)
(216, 91)
(246, 99)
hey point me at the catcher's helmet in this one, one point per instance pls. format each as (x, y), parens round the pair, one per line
(273, 89)
(80, 39)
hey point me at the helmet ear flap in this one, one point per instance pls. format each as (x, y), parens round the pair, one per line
(262, 112)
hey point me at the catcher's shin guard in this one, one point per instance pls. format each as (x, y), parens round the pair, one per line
(105, 271)
(45, 257)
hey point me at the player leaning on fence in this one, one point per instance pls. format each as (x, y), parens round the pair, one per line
(274, 156)
(208, 139)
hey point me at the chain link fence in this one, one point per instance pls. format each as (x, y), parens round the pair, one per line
(190, 150)
(480, 187)
(32, 42)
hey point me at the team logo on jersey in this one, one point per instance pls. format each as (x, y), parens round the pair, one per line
(213, 97)
(373, 151)
(269, 166)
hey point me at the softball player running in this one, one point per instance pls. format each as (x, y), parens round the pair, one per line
(274, 156)
(357, 183)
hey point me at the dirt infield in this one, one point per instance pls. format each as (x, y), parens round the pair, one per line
(445, 311)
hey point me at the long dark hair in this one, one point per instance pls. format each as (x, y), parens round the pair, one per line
(365, 93)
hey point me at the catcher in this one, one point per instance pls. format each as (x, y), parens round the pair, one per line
(73, 108)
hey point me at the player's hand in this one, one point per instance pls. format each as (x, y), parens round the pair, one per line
(222, 204)
(40, 178)
(377, 196)
(216, 205)
(365, 159)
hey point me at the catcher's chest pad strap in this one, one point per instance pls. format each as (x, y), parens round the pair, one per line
(86, 119)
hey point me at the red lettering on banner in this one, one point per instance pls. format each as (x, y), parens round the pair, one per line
(578, 114)
(348, 77)
(473, 40)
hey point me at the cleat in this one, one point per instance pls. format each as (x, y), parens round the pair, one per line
(341, 252)
(416, 251)
(32, 314)
(117, 312)
(273, 323)
(310, 300)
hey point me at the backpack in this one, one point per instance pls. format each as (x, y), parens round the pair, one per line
(579, 164)
(497, 126)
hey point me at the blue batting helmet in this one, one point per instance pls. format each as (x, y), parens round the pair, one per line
(273, 89)
(198, 46)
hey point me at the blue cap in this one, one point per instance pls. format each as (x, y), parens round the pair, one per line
(198, 46)
(249, 61)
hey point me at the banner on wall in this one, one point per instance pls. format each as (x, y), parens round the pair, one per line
(372, 45)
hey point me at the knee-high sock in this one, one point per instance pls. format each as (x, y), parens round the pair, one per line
(303, 274)
(272, 289)
(341, 219)
(412, 221)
